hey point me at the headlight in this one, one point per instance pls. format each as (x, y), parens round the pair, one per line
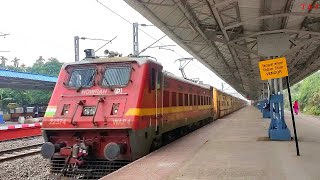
(89, 111)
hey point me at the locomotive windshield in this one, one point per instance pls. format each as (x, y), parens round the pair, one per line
(116, 76)
(81, 78)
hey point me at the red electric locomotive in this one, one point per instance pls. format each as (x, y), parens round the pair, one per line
(106, 112)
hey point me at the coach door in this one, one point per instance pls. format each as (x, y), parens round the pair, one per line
(159, 97)
(157, 86)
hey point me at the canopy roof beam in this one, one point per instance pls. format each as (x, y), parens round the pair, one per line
(271, 17)
(214, 12)
(194, 22)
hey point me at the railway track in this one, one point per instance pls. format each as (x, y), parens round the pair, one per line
(20, 152)
(22, 138)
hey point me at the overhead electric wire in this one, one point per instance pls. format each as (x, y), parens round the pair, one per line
(138, 27)
(109, 41)
(151, 44)
(149, 35)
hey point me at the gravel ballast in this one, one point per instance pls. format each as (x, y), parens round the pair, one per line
(30, 167)
(6, 145)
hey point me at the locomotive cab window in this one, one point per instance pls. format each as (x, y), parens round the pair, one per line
(116, 76)
(81, 78)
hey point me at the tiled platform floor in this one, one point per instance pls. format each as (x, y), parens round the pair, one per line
(234, 147)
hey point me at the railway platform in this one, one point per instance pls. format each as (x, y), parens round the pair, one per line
(233, 147)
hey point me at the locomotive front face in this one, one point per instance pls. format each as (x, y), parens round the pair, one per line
(86, 118)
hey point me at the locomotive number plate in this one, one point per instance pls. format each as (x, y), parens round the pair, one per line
(120, 122)
(57, 121)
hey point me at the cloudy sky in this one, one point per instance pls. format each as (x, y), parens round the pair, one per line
(47, 28)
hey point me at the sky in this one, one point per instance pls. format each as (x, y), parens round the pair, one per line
(47, 28)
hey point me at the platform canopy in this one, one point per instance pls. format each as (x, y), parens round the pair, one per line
(23, 80)
(223, 34)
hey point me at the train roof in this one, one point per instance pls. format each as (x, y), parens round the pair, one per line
(139, 60)
(206, 86)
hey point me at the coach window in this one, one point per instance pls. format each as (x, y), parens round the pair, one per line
(195, 100)
(203, 100)
(180, 99)
(199, 100)
(173, 99)
(190, 100)
(186, 102)
(159, 80)
(166, 98)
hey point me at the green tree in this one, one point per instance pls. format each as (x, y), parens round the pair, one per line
(51, 67)
(3, 61)
(40, 60)
(15, 62)
(13, 68)
(307, 92)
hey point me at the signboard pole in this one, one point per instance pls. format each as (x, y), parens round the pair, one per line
(292, 116)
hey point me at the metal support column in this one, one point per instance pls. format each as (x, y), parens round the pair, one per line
(278, 129)
(275, 85)
(135, 39)
(76, 48)
(280, 86)
(266, 106)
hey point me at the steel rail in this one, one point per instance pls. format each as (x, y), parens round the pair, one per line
(19, 152)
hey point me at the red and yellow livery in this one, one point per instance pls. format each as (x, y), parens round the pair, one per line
(115, 110)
